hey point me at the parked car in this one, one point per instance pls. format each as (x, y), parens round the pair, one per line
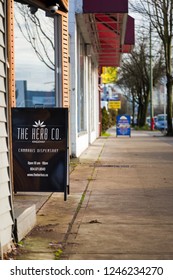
(148, 121)
(161, 123)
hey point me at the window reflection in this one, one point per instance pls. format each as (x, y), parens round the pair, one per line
(34, 58)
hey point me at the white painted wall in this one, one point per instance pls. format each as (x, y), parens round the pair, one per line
(81, 140)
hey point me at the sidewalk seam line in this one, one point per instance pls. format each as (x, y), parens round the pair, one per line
(64, 242)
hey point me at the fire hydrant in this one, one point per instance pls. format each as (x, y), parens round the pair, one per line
(152, 124)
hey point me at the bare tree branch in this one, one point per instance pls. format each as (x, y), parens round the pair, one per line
(134, 76)
(32, 30)
(160, 14)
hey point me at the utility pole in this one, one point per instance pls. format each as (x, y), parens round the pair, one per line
(151, 83)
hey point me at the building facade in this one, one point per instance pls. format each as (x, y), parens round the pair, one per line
(14, 94)
(85, 36)
(6, 207)
(84, 105)
(100, 32)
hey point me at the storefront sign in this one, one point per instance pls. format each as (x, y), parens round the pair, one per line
(114, 104)
(123, 125)
(39, 138)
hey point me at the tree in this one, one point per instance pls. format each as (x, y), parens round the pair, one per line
(134, 77)
(105, 119)
(160, 15)
(109, 75)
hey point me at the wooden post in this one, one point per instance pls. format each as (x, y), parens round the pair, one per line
(10, 53)
(11, 99)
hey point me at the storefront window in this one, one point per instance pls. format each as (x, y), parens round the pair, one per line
(92, 97)
(81, 84)
(34, 57)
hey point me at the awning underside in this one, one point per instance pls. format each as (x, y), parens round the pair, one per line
(108, 22)
(109, 32)
(108, 29)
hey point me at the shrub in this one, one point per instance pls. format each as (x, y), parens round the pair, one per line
(105, 119)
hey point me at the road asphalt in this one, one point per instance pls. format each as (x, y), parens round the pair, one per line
(120, 205)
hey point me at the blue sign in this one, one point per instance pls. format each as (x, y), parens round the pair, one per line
(123, 125)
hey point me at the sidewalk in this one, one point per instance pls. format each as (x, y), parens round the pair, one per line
(120, 204)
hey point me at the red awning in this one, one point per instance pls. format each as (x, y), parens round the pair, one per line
(105, 6)
(130, 35)
(108, 24)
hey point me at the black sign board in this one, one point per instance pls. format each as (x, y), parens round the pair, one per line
(40, 149)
